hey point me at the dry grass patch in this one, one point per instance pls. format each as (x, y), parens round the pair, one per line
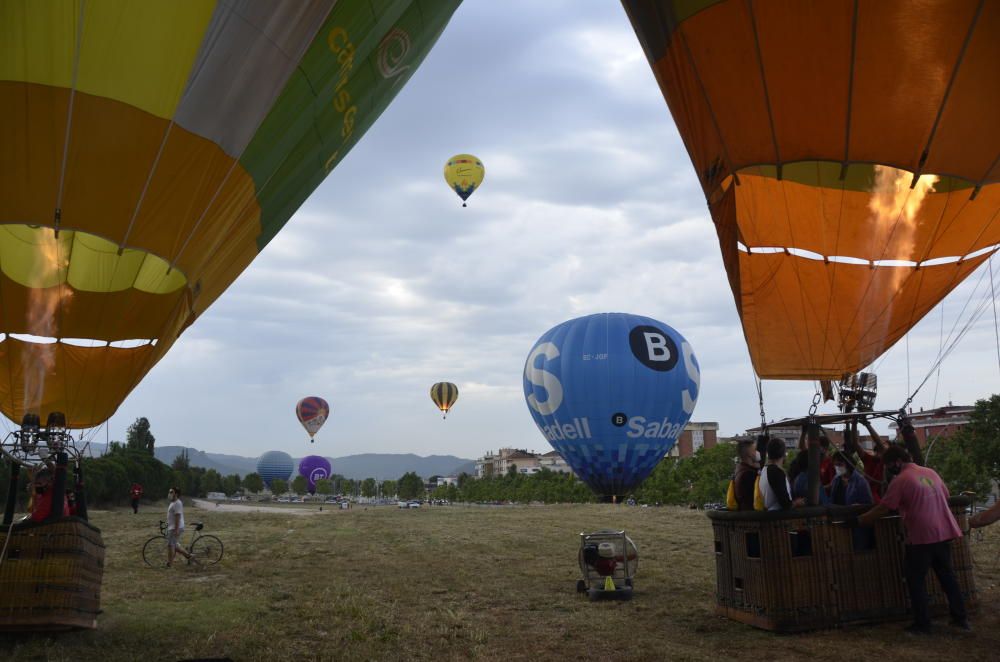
(451, 583)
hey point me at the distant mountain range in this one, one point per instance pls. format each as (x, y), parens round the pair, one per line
(380, 466)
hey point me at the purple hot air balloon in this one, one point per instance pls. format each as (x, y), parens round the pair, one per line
(314, 468)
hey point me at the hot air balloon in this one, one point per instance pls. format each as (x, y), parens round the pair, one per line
(444, 395)
(611, 392)
(314, 468)
(312, 413)
(464, 173)
(151, 152)
(274, 465)
(848, 153)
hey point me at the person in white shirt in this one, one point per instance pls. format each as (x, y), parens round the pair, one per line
(175, 526)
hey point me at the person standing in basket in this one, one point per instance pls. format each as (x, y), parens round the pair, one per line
(175, 526)
(921, 498)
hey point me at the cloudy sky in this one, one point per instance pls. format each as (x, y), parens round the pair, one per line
(382, 284)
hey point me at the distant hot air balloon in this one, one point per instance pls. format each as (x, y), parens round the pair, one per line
(464, 173)
(312, 413)
(274, 465)
(314, 468)
(848, 154)
(444, 395)
(150, 152)
(611, 392)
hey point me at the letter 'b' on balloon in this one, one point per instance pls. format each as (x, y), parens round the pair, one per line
(612, 393)
(312, 413)
(464, 173)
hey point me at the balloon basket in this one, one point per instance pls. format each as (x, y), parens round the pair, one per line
(608, 561)
(50, 576)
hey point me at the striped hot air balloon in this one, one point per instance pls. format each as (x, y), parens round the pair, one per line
(444, 395)
(150, 151)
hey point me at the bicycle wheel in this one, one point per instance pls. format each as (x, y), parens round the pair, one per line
(207, 550)
(154, 552)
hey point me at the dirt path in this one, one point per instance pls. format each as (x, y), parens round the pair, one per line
(247, 508)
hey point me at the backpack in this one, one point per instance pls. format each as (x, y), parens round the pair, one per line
(731, 495)
(758, 496)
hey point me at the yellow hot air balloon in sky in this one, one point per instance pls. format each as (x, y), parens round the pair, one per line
(150, 151)
(464, 174)
(444, 395)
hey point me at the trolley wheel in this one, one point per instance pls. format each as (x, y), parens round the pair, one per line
(207, 550)
(154, 552)
(581, 586)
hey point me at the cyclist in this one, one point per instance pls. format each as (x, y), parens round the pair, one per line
(175, 526)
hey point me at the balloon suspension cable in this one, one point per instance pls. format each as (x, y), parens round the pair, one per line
(993, 293)
(954, 337)
(760, 400)
(815, 404)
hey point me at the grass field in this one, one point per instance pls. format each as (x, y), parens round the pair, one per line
(451, 583)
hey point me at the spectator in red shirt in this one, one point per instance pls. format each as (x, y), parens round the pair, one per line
(921, 498)
(135, 493)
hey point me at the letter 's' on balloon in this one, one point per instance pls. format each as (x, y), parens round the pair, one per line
(611, 392)
(150, 150)
(848, 152)
(312, 413)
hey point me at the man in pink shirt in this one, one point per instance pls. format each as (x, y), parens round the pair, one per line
(921, 498)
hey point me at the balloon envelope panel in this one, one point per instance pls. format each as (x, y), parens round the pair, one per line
(611, 392)
(314, 468)
(274, 465)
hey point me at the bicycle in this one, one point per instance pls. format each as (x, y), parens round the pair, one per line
(205, 549)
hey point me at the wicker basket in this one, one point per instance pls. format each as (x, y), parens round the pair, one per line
(798, 570)
(50, 577)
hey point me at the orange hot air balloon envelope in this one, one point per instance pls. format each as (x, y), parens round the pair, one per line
(150, 151)
(444, 395)
(849, 155)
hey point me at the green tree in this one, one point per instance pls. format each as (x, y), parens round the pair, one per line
(324, 486)
(212, 481)
(139, 437)
(390, 488)
(231, 484)
(253, 483)
(299, 485)
(410, 486)
(369, 487)
(955, 460)
(279, 486)
(983, 433)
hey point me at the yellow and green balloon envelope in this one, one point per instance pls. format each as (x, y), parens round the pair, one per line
(150, 151)
(464, 173)
(444, 395)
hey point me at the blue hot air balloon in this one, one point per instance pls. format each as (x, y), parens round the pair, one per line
(274, 464)
(611, 392)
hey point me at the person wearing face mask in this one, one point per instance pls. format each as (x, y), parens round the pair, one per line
(921, 498)
(746, 475)
(848, 488)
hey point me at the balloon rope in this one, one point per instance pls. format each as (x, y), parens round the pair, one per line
(993, 292)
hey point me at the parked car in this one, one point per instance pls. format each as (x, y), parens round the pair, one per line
(413, 504)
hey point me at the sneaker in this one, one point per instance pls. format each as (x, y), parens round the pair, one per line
(917, 630)
(960, 624)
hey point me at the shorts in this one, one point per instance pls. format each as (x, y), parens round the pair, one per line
(173, 538)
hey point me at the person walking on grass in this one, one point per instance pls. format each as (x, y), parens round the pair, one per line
(175, 526)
